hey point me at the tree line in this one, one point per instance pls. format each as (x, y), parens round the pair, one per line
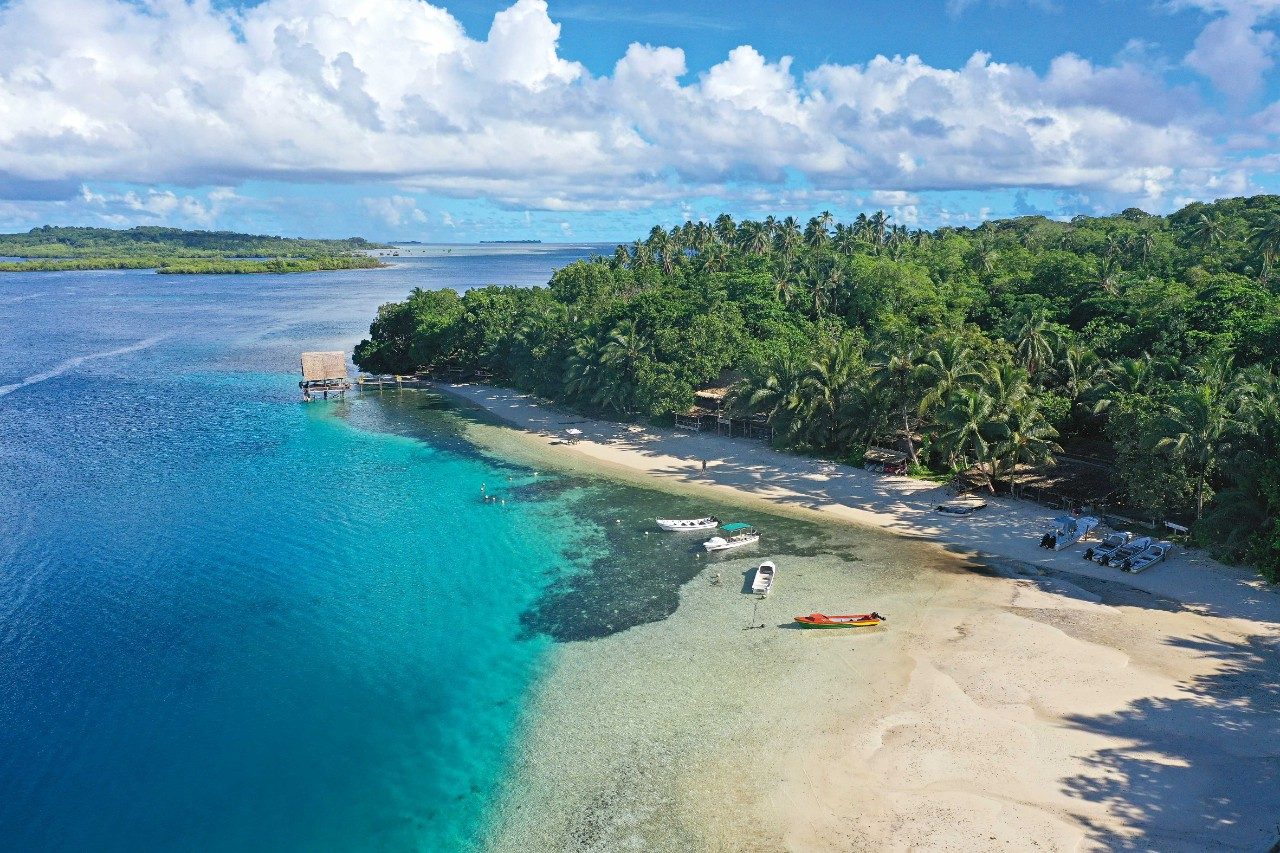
(1147, 340)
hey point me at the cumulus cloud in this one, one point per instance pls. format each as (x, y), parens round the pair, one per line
(187, 92)
(156, 205)
(395, 210)
(1232, 51)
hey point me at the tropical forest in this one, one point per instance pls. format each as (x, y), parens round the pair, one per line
(1151, 343)
(173, 250)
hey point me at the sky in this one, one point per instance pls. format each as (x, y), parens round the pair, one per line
(593, 120)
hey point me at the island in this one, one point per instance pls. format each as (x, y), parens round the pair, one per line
(1123, 366)
(178, 251)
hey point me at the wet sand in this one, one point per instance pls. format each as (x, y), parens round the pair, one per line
(1009, 703)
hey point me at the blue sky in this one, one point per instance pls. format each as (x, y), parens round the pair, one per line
(585, 120)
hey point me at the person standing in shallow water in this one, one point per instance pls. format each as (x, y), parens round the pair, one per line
(704, 466)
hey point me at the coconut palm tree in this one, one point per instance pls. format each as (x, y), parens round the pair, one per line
(837, 409)
(1208, 232)
(789, 237)
(583, 373)
(1202, 418)
(983, 258)
(878, 222)
(970, 429)
(1124, 378)
(754, 238)
(1076, 372)
(1265, 240)
(1109, 276)
(1029, 440)
(945, 370)
(816, 235)
(778, 393)
(1035, 342)
(784, 284)
(895, 373)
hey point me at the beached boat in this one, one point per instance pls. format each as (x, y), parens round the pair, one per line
(1148, 558)
(1074, 532)
(1131, 549)
(1070, 531)
(962, 506)
(1110, 543)
(763, 581)
(733, 535)
(679, 524)
(859, 620)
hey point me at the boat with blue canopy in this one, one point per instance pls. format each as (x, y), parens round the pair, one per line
(732, 535)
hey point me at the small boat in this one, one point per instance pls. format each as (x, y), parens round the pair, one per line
(1066, 530)
(735, 535)
(962, 506)
(1074, 532)
(1110, 543)
(1147, 558)
(820, 620)
(763, 581)
(1131, 549)
(679, 524)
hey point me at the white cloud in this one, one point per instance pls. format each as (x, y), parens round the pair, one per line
(189, 93)
(1232, 52)
(157, 206)
(394, 210)
(893, 198)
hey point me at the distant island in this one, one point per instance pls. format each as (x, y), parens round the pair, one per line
(177, 251)
(510, 241)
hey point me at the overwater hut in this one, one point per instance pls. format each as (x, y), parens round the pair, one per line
(323, 373)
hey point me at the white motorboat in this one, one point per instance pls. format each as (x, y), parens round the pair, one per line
(1148, 558)
(763, 581)
(1066, 530)
(733, 535)
(1131, 549)
(679, 524)
(1074, 532)
(1110, 543)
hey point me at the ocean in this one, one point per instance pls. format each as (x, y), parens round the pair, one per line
(232, 621)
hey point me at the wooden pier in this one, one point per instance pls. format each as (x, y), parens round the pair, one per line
(392, 382)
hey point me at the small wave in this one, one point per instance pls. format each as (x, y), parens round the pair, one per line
(73, 363)
(9, 300)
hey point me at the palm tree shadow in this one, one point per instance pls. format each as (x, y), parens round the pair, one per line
(1196, 772)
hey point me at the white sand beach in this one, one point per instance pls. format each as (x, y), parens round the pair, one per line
(1032, 701)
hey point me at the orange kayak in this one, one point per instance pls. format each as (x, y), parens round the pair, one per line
(859, 620)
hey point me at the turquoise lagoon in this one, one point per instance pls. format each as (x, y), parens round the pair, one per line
(230, 621)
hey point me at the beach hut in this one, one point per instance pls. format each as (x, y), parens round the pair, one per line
(323, 373)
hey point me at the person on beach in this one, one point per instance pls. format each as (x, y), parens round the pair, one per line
(704, 466)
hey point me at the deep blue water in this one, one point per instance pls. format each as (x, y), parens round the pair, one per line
(231, 621)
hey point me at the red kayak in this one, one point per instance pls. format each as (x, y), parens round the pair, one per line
(858, 620)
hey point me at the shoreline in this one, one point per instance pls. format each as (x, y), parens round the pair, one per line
(1015, 699)
(751, 472)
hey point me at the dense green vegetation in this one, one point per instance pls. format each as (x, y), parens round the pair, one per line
(173, 250)
(274, 265)
(1153, 341)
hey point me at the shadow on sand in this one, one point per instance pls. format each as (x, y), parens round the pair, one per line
(1163, 782)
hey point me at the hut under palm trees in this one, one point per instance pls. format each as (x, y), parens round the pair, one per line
(710, 412)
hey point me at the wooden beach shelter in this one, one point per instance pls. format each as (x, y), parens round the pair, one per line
(323, 372)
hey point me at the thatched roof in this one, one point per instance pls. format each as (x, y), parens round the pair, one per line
(319, 366)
